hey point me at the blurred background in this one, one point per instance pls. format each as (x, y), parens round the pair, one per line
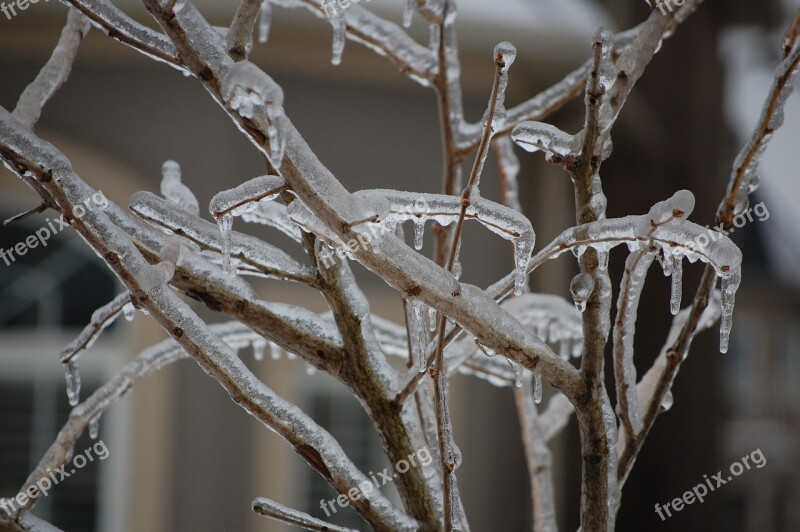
(184, 457)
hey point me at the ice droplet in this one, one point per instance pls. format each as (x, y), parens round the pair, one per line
(581, 288)
(488, 351)
(94, 427)
(264, 21)
(129, 311)
(452, 454)
(259, 347)
(666, 404)
(677, 288)
(419, 232)
(537, 388)
(225, 223)
(73, 378)
(408, 13)
(339, 38)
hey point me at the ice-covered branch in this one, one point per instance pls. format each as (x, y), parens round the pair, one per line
(744, 177)
(101, 318)
(290, 516)
(148, 287)
(539, 458)
(381, 36)
(653, 391)
(260, 256)
(375, 382)
(116, 24)
(401, 267)
(55, 71)
(240, 33)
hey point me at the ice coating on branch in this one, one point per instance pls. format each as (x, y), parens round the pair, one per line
(94, 427)
(532, 136)
(246, 88)
(339, 37)
(408, 12)
(504, 55)
(176, 192)
(264, 21)
(607, 74)
(552, 319)
(277, 141)
(671, 211)
(245, 198)
(537, 388)
(73, 378)
(581, 288)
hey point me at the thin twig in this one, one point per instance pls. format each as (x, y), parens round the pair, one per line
(240, 33)
(54, 73)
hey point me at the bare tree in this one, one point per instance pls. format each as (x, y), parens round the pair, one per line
(501, 332)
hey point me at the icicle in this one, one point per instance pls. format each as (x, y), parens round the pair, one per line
(419, 232)
(729, 286)
(564, 349)
(129, 311)
(176, 192)
(408, 12)
(259, 347)
(667, 402)
(537, 388)
(264, 21)
(577, 348)
(277, 141)
(432, 319)
(73, 378)
(94, 427)
(339, 37)
(274, 351)
(225, 223)
(419, 335)
(523, 246)
(518, 373)
(581, 288)
(677, 281)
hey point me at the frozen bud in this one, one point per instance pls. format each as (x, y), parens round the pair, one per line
(581, 288)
